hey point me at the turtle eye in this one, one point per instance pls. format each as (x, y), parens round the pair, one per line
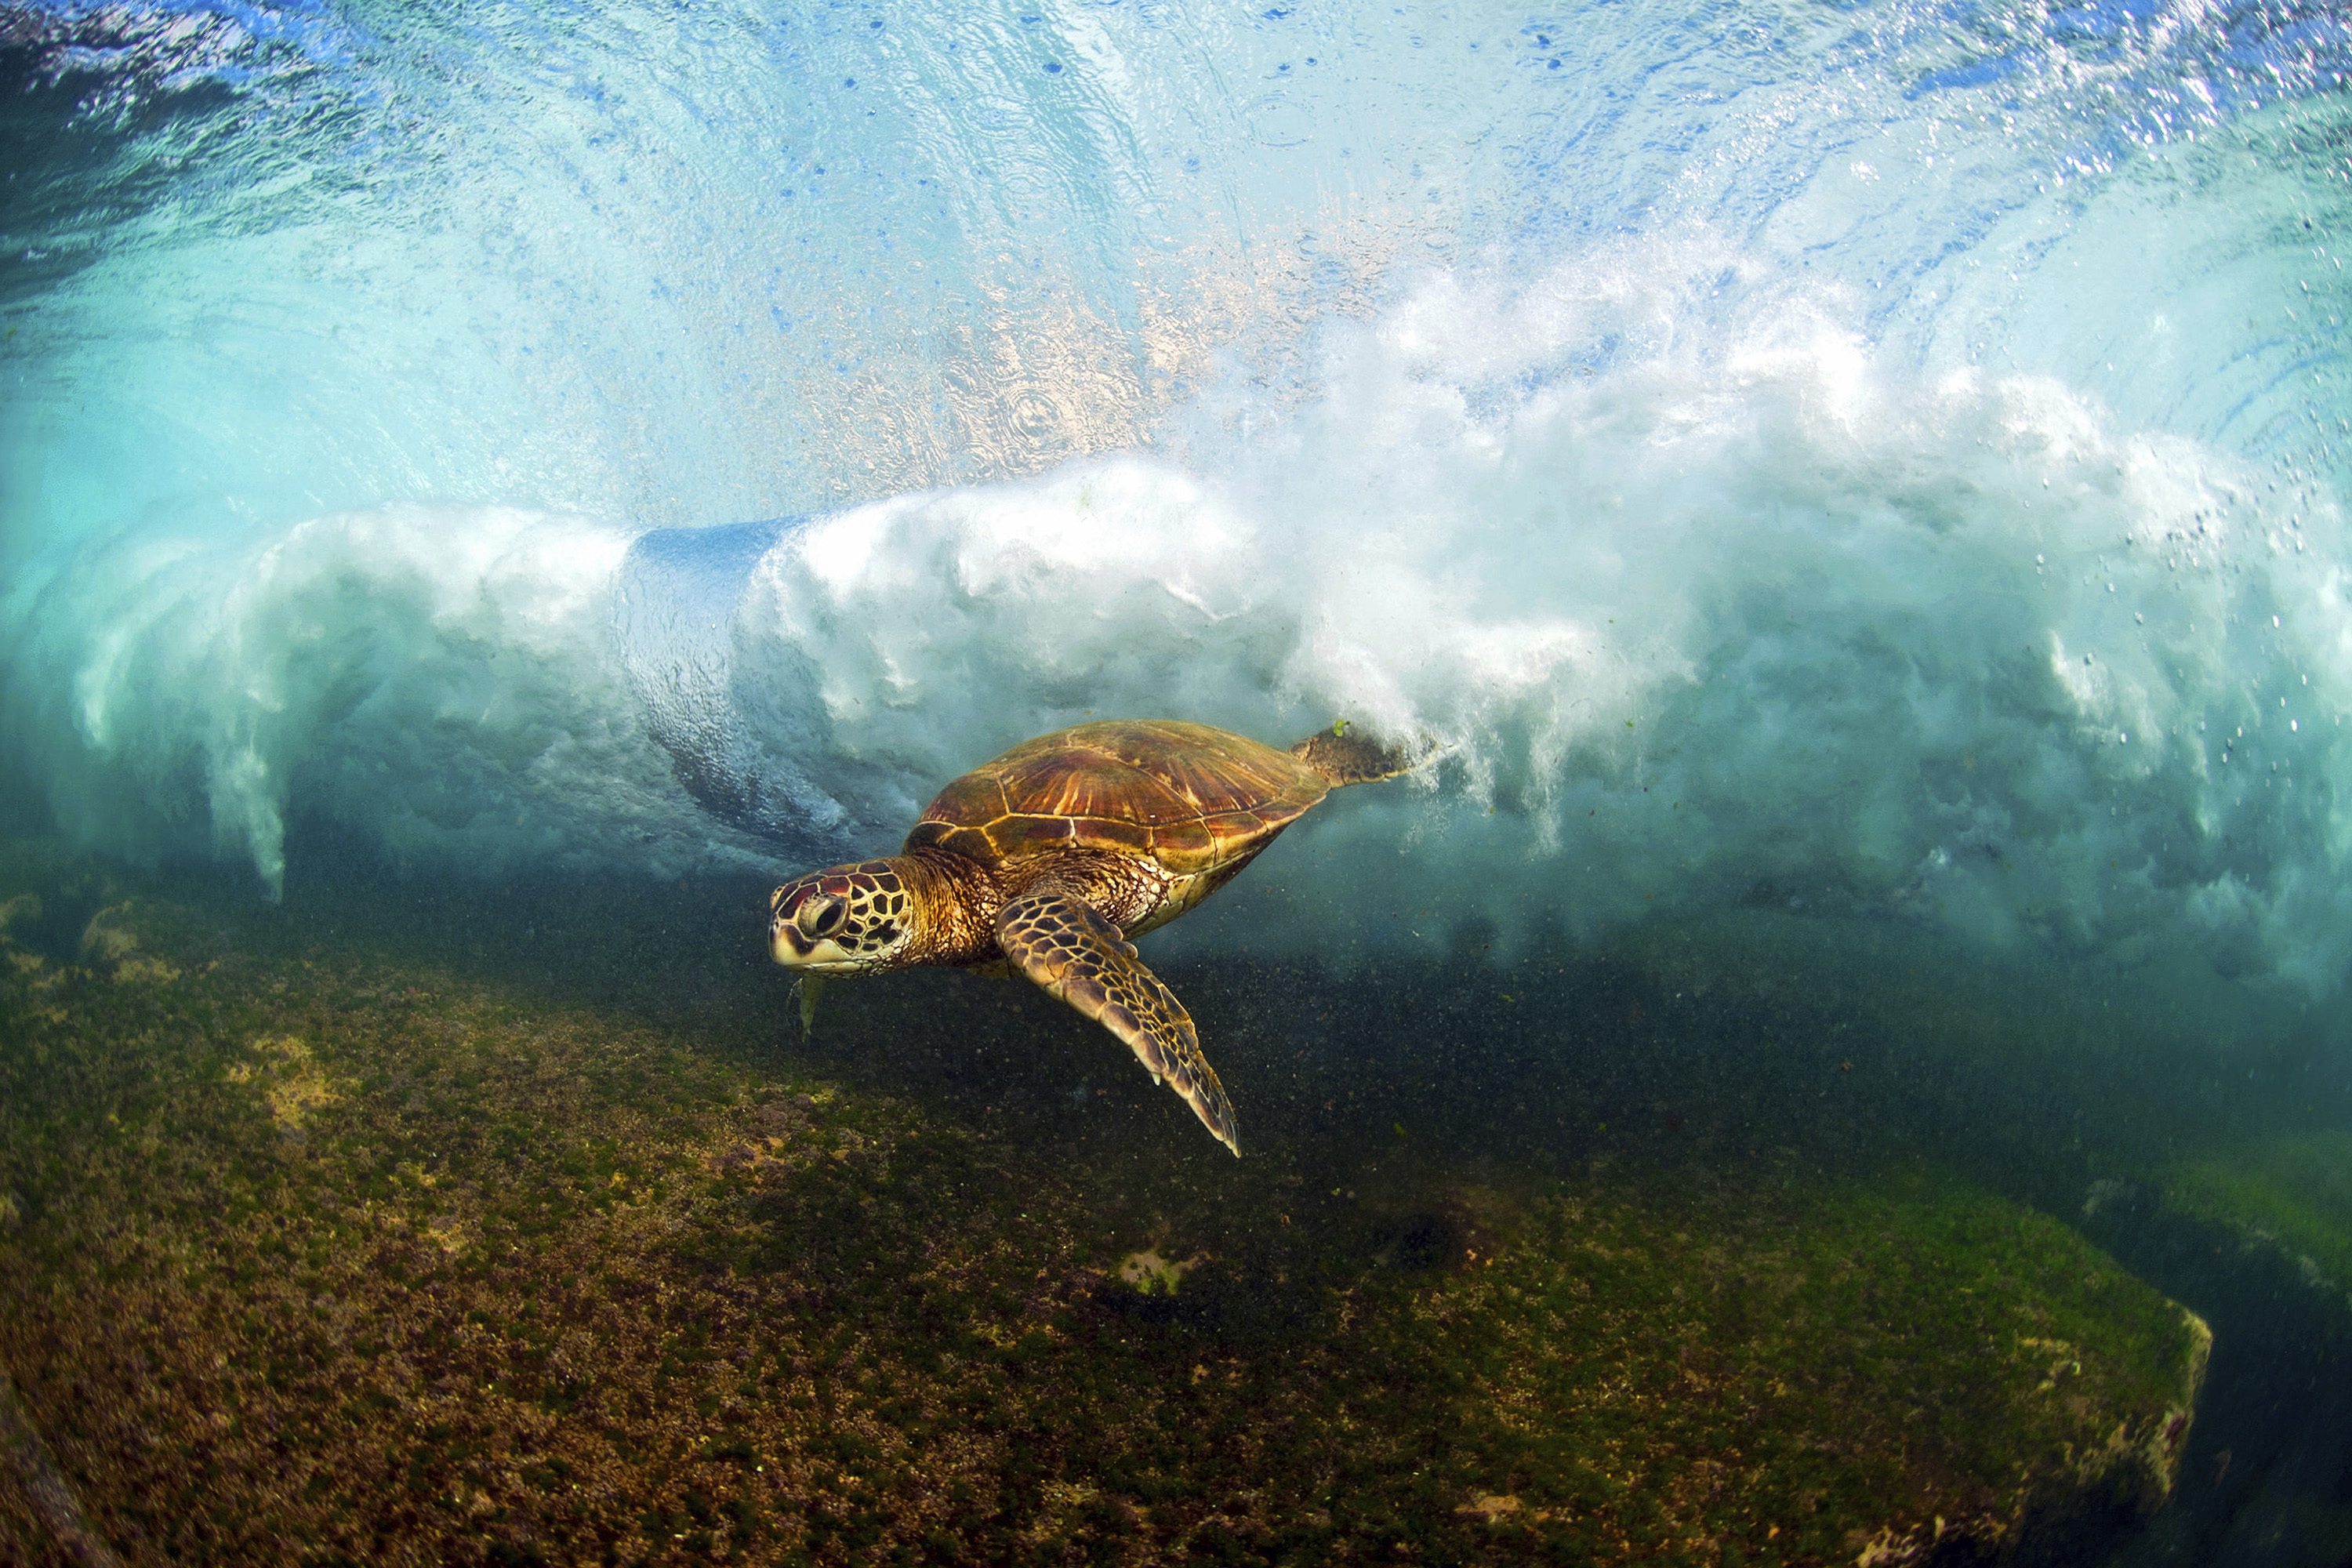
(821, 915)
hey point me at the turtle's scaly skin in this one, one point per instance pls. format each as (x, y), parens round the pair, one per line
(1052, 856)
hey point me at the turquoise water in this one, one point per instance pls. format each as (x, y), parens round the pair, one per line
(1884, 460)
(1880, 469)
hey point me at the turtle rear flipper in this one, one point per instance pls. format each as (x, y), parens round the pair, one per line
(1061, 943)
(1344, 758)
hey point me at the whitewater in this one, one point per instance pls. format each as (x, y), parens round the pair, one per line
(1885, 466)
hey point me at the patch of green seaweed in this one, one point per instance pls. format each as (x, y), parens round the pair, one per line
(2295, 1190)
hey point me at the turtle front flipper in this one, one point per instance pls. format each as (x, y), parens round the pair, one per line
(1072, 952)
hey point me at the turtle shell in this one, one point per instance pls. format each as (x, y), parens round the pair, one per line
(1194, 798)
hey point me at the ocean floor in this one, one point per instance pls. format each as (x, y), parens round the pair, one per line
(398, 1224)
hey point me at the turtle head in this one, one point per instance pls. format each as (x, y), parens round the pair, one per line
(846, 919)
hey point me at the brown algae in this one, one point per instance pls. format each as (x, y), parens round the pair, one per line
(320, 1255)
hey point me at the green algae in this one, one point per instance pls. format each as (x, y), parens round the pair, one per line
(1762, 1369)
(2292, 1192)
(324, 1252)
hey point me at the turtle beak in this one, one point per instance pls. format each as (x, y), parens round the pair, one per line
(801, 919)
(802, 932)
(833, 923)
(794, 950)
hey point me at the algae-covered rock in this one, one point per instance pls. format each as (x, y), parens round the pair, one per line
(1866, 1370)
(324, 1253)
(2290, 1194)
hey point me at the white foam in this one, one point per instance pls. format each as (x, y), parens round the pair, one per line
(439, 678)
(1706, 602)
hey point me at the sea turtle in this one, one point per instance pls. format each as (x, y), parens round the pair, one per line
(1049, 858)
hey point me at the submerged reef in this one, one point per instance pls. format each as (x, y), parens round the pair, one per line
(372, 1230)
(2289, 1195)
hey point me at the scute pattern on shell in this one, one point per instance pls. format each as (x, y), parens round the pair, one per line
(1191, 796)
